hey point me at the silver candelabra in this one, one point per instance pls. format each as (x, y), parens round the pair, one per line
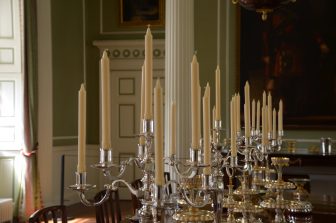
(149, 194)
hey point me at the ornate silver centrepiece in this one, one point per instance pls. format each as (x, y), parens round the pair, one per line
(196, 191)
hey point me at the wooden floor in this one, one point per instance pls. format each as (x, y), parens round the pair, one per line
(78, 213)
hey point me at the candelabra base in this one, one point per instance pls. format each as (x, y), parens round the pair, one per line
(194, 215)
(248, 220)
(300, 207)
(230, 219)
(279, 216)
(145, 214)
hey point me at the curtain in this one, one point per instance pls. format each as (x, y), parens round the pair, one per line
(29, 191)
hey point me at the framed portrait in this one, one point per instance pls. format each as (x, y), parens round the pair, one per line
(292, 55)
(142, 12)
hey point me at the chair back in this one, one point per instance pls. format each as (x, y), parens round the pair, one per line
(49, 213)
(109, 211)
(136, 204)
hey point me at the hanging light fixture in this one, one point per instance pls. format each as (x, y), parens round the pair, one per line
(262, 6)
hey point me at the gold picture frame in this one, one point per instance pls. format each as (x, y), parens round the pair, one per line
(134, 13)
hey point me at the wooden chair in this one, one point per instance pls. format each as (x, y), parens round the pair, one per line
(109, 211)
(49, 213)
(136, 204)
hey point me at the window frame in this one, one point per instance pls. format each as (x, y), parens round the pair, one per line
(13, 72)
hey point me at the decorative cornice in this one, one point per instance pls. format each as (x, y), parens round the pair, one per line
(130, 49)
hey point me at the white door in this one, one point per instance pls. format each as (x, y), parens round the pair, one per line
(126, 59)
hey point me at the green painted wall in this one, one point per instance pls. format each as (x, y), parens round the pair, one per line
(67, 62)
(206, 42)
(68, 34)
(206, 46)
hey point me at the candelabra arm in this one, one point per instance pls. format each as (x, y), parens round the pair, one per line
(241, 151)
(88, 203)
(189, 173)
(226, 159)
(165, 187)
(228, 172)
(122, 168)
(191, 203)
(137, 193)
(257, 153)
(137, 162)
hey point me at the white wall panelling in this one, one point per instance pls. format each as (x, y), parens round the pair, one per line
(7, 172)
(10, 37)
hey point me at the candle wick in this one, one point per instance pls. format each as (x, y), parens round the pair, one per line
(107, 52)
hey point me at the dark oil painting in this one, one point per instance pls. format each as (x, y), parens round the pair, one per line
(141, 12)
(293, 55)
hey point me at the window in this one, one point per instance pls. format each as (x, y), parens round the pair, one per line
(10, 75)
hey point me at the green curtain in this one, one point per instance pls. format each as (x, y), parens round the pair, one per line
(29, 195)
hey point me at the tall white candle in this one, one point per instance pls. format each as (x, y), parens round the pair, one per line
(264, 130)
(233, 127)
(258, 116)
(194, 103)
(142, 107)
(267, 120)
(245, 120)
(274, 124)
(199, 114)
(253, 114)
(148, 74)
(279, 121)
(237, 115)
(269, 111)
(247, 115)
(262, 126)
(235, 124)
(199, 106)
(213, 121)
(264, 99)
(158, 134)
(173, 128)
(206, 129)
(218, 95)
(105, 101)
(81, 130)
(280, 116)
